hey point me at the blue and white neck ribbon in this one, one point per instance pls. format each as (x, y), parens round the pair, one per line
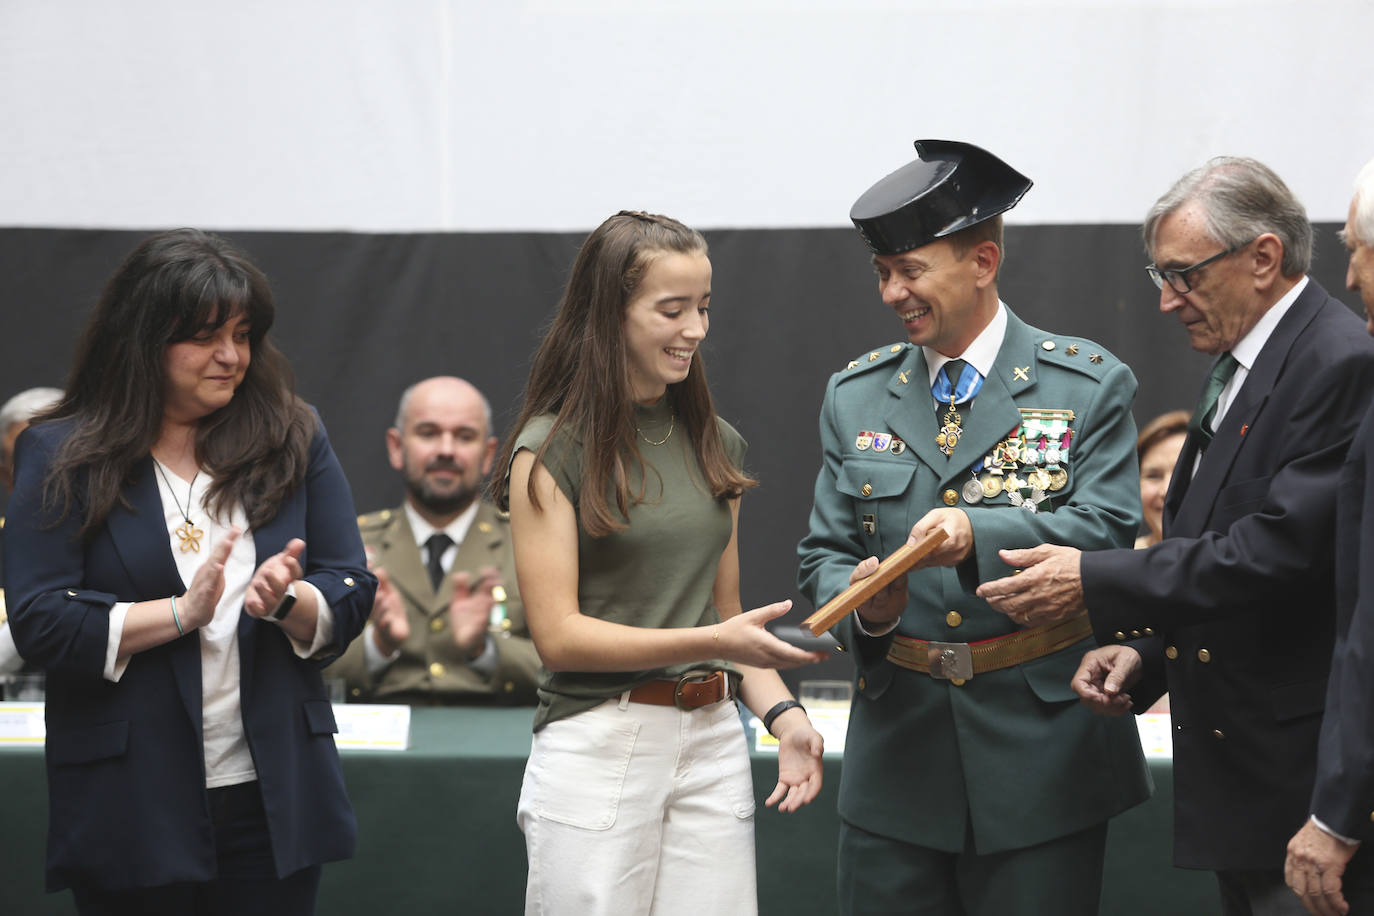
(966, 389)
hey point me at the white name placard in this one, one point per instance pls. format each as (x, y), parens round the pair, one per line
(21, 724)
(379, 727)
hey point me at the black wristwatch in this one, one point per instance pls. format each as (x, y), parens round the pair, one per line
(288, 601)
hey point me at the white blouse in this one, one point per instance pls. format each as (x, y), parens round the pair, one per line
(228, 760)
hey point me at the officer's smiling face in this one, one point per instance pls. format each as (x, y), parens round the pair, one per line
(1222, 305)
(935, 294)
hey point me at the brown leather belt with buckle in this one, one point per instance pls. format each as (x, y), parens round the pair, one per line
(959, 661)
(693, 690)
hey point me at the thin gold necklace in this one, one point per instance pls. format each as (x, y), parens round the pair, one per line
(189, 534)
(672, 421)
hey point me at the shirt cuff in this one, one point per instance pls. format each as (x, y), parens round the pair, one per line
(376, 661)
(10, 660)
(1317, 822)
(881, 631)
(324, 627)
(114, 665)
(487, 661)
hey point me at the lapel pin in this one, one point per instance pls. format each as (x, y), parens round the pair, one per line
(1020, 373)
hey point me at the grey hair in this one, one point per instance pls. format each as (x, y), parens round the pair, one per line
(1241, 200)
(400, 422)
(25, 405)
(1364, 207)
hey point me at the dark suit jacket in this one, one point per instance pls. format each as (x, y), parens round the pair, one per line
(1236, 605)
(126, 774)
(1344, 793)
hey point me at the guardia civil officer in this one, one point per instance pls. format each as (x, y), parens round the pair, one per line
(974, 782)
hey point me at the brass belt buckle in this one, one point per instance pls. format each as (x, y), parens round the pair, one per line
(950, 661)
(691, 677)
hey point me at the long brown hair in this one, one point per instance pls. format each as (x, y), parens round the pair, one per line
(173, 286)
(581, 374)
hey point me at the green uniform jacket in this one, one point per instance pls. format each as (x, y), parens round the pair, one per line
(1011, 755)
(430, 668)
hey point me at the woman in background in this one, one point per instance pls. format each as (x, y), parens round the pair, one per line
(1157, 449)
(182, 559)
(624, 489)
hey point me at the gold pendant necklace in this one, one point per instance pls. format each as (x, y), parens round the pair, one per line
(672, 421)
(188, 534)
(948, 436)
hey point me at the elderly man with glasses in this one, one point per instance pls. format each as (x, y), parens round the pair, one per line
(1234, 611)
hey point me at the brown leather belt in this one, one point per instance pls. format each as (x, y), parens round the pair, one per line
(959, 661)
(693, 690)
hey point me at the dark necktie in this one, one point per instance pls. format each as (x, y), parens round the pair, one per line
(436, 545)
(1200, 426)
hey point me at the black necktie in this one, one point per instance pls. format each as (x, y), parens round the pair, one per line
(436, 545)
(1200, 426)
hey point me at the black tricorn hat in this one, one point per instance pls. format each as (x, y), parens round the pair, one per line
(950, 187)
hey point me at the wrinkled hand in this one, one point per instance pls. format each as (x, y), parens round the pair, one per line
(1048, 588)
(390, 625)
(743, 639)
(271, 579)
(1316, 861)
(799, 763)
(889, 602)
(958, 542)
(469, 611)
(197, 607)
(1103, 675)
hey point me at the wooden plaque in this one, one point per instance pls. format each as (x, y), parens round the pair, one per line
(896, 563)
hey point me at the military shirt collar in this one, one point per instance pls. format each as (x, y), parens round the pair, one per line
(456, 529)
(981, 354)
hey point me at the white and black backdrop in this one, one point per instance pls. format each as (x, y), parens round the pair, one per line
(414, 177)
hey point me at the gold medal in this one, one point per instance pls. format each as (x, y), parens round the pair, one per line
(1058, 478)
(948, 436)
(992, 485)
(1039, 479)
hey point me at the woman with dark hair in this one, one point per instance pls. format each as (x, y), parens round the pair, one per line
(624, 489)
(183, 560)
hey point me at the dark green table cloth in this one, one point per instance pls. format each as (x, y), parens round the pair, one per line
(437, 832)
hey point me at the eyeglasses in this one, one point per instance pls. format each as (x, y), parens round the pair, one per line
(1178, 279)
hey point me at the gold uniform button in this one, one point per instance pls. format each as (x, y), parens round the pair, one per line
(348, 580)
(1204, 656)
(1171, 653)
(957, 681)
(1119, 635)
(437, 624)
(866, 489)
(1149, 631)
(357, 691)
(954, 618)
(863, 684)
(510, 687)
(1135, 634)
(950, 497)
(1048, 345)
(1218, 734)
(436, 669)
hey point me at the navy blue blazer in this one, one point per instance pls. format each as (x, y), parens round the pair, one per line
(126, 772)
(1237, 602)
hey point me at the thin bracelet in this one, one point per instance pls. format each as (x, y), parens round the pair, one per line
(175, 619)
(778, 710)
